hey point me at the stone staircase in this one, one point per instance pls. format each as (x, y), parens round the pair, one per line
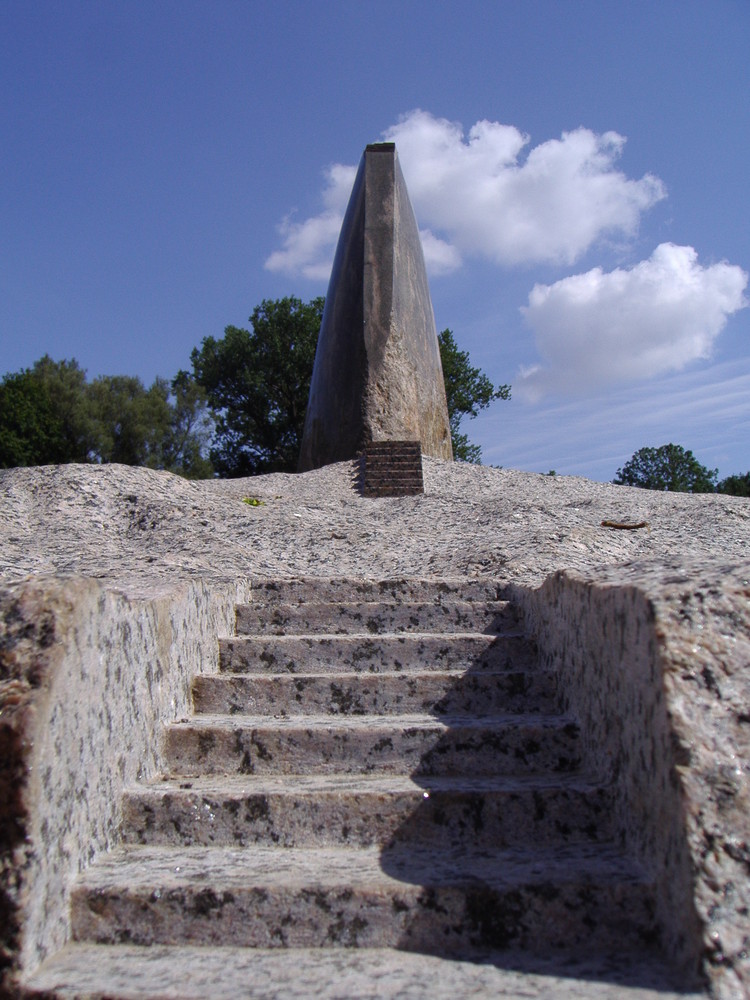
(375, 767)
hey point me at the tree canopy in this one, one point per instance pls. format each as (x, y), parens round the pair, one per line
(257, 382)
(468, 390)
(50, 414)
(669, 467)
(737, 486)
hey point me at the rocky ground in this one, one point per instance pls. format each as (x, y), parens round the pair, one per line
(138, 530)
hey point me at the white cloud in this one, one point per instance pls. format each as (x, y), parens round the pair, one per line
(479, 196)
(309, 246)
(598, 328)
(439, 257)
(705, 409)
(489, 202)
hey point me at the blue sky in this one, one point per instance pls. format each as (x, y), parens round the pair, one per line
(579, 170)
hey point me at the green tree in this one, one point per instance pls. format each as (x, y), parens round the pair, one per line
(257, 383)
(191, 426)
(49, 414)
(669, 467)
(736, 486)
(44, 415)
(30, 430)
(130, 421)
(468, 390)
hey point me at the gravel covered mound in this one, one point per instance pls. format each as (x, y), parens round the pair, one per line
(137, 529)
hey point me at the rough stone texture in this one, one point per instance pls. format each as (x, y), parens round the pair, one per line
(656, 666)
(377, 374)
(680, 589)
(452, 869)
(88, 678)
(341, 974)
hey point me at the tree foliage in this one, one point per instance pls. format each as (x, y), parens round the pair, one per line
(736, 486)
(468, 390)
(257, 382)
(50, 414)
(669, 467)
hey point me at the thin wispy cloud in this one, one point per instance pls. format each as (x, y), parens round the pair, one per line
(488, 194)
(600, 328)
(706, 410)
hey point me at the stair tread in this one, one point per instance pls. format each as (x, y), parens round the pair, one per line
(185, 972)
(510, 633)
(456, 673)
(388, 605)
(375, 722)
(143, 868)
(376, 784)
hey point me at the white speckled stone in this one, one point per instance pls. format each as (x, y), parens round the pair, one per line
(289, 654)
(676, 594)
(190, 973)
(94, 676)
(361, 744)
(407, 896)
(316, 810)
(376, 618)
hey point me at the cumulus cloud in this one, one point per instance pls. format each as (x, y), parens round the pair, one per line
(485, 195)
(598, 328)
(309, 245)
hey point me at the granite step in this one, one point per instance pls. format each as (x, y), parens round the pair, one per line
(300, 590)
(377, 618)
(391, 772)
(187, 972)
(389, 653)
(446, 902)
(318, 811)
(440, 692)
(407, 744)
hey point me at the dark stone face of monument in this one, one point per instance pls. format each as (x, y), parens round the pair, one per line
(377, 374)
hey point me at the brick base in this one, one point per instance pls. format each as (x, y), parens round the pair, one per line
(392, 469)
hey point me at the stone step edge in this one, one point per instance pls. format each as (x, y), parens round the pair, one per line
(225, 972)
(226, 867)
(444, 723)
(439, 586)
(390, 604)
(370, 784)
(415, 674)
(510, 633)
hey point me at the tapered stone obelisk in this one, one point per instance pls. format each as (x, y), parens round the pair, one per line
(377, 374)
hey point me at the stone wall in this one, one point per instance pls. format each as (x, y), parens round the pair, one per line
(656, 666)
(87, 677)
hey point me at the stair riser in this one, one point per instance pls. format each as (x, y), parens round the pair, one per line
(446, 919)
(482, 819)
(343, 591)
(514, 749)
(344, 654)
(375, 619)
(367, 694)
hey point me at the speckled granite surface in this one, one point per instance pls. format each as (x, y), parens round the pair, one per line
(88, 678)
(144, 534)
(189, 973)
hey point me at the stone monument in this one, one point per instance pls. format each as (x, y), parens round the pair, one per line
(377, 374)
